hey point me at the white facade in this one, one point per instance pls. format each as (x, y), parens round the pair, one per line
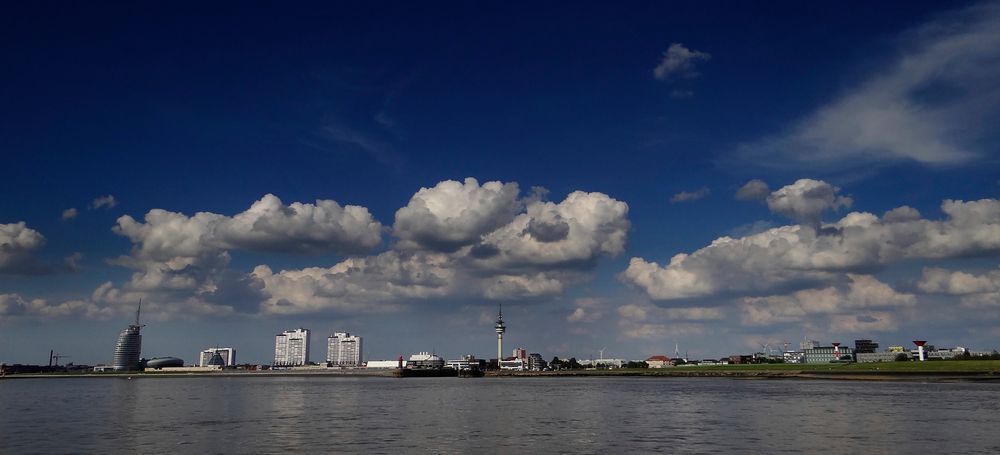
(513, 364)
(228, 355)
(386, 364)
(291, 348)
(467, 362)
(344, 350)
(205, 369)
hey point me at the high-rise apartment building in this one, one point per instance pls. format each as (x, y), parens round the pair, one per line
(343, 350)
(291, 348)
(228, 356)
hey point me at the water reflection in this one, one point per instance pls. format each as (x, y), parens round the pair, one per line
(495, 415)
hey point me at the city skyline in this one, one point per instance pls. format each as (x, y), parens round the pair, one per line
(718, 176)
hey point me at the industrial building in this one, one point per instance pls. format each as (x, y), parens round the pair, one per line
(808, 344)
(870, 357)
(291, 348)
(865, 346)
(828, 354)
(343, 350)
(793, 357)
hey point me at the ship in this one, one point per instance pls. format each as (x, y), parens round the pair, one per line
(424, 365)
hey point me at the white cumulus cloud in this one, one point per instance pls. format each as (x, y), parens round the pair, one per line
(976, 290)
(595, 225)
(533, 254)
(18, 245)
(268, 225)
(754, 190)
(844, 308)
(181, 262)
(794, 256)
(454, 214)
(806, 200)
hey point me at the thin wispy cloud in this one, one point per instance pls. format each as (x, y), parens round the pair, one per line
(932, 104)
(679, 62)
(69, 213)
(380, 150)
(688, 196)
(107, 201)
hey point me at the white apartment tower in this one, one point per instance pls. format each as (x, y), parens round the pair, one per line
(291, 348)
(343, 350)
(228, 356)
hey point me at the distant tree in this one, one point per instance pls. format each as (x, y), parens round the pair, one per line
(573, 364)
(639, 364)
(902, 357)
(556, 364)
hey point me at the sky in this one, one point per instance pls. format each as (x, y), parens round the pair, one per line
(634, 177)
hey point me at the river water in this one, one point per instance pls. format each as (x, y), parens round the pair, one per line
(495, 415)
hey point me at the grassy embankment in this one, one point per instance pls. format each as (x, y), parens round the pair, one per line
(940, 368)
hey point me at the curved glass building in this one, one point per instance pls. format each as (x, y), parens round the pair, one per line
(127, 349)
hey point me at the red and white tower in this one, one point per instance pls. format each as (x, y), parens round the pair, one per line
(836, 351)
(920, 349)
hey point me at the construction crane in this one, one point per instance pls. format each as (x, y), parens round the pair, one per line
(54, 358)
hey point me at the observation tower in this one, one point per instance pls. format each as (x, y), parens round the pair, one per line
(501, 328)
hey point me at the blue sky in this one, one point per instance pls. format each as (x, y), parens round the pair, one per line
(601, 141)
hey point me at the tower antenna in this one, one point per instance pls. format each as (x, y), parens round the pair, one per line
(500, 329)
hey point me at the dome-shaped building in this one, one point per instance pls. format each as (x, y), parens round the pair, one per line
(425, 360)
(164, 362)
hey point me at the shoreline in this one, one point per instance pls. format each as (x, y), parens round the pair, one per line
(745, 374)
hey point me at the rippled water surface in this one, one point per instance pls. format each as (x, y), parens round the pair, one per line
(495, 415)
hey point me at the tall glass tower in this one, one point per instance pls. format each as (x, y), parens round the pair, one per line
(129, 346)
